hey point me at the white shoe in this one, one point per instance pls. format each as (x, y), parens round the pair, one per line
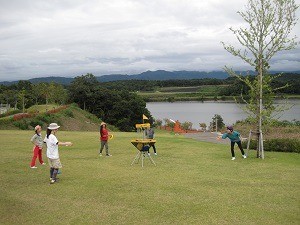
(244, 156)
(155, 153)
(52, 181)
(43, 164)
(233, 158)
(33, 167)
(100, 154)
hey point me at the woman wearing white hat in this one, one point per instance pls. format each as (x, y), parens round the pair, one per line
(52, 151)
(104, 138)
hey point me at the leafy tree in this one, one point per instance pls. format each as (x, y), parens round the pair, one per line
(217, 123)
(158, 123)
(82, 88)
(270, 24)
(187, 125)
(203, 126)
(119, 108)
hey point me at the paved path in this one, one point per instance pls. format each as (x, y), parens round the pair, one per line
(206, 136)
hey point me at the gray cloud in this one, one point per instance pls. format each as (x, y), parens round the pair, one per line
(74, 37)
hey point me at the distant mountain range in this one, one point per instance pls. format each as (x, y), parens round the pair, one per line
(148, 75)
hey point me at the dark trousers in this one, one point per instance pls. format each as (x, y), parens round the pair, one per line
(153, 146)
(240, 147)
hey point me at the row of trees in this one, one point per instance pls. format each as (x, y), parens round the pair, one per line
(117, 107)
(231, 86)
(25, 94)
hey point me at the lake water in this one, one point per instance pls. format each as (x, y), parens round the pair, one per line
(203, 112)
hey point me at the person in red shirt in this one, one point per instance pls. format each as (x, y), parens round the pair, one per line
(104, 139)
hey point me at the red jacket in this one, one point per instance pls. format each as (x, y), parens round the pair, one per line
(103, 134)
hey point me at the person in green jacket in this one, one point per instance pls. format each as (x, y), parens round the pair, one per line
(234, 137)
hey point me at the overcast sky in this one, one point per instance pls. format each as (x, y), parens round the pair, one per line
(69, 38)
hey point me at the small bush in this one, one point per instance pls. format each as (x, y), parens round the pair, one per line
(68, 113)
(277, 145)
(21, 124)
(35, 122)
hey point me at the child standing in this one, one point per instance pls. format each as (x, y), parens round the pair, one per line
(37, 140)
(52, 151)
(150, 135)
(234, 137)
(104, 139)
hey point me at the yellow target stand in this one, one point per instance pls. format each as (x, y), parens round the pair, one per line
(143, 145)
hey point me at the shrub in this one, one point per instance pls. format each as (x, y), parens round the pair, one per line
(10, 113)
(47, 118)
(277, 145)
(21, 124)
(35, 122)
(5, 121)
(68, 113)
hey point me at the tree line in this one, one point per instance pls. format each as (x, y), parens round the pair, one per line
(233, 86)
(120, 108)
(115, 101)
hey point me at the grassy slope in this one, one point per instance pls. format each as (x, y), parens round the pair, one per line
(193, 183)
(80, 120)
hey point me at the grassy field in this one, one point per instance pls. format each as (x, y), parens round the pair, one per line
(193, 183)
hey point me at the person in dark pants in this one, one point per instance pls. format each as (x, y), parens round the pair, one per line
(234, 137)
(150, 135)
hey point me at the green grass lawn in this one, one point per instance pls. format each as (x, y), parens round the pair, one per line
(193, 183)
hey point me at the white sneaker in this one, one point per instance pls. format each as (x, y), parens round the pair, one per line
(43, 164)
(233, 158)
(155, 153)
(52, 181)
(100, 154)
(244, 156)
(33, 167)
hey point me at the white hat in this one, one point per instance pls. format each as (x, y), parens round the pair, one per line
(102, 123)
(53, 126)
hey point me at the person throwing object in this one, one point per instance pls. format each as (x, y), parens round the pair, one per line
(234, 137)
(52, 151)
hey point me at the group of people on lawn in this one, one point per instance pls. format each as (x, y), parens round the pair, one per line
(52, 144)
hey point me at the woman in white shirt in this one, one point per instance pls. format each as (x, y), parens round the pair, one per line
(52, 151)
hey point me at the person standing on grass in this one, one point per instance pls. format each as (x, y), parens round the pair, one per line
(150, 135)
(234, 137)
(104, 139)
(37, 140)
(52, 151)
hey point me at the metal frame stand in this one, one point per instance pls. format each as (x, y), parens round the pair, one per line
(142, 154)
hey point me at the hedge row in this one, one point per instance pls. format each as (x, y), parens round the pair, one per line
(277, 145)
(12, 112)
